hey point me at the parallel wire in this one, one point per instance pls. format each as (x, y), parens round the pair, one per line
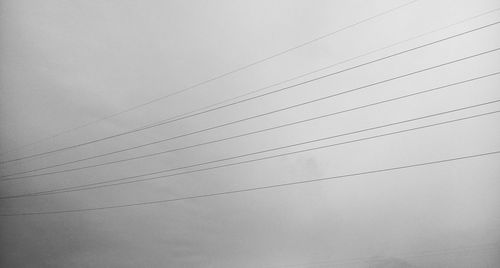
(292, 106)
(251, 98)
(239, 135)
(122, 181)
(205, 108)
(224, 74)
(300, 182)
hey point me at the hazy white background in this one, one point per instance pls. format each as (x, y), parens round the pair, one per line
(66, 63)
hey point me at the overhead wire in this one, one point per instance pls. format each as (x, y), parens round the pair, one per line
(204, 108)
(258, 96)
(10, 176)
(123, 180)
(217, 77)
(262, 95)
(251, 189)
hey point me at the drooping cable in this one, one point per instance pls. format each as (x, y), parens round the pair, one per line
(258, 96)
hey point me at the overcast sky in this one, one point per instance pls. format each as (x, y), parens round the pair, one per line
(65, 64)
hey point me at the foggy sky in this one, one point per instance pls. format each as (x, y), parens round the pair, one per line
(66, 63)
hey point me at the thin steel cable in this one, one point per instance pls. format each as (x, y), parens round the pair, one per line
(258, 96)
(9, 177)
(300, 182)
(204, 108)
(295, 105)
(122, 181)
(222, 75)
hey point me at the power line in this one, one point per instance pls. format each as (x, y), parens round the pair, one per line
(253, 188)
(205, 110)
(295, 105)
(321, 68)
(258, 96)
(178, 118)
(121, 181)
(101, 184)
(217, 77)
(8, 177)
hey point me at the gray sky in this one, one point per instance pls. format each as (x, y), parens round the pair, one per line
(66, 63)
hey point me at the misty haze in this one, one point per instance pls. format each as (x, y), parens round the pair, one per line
(357, 134)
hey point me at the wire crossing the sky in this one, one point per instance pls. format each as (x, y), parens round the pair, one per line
(252, 189)
(300, 104)
(217, 77)
(207, 107)
(178, 118)
(265, 94)
(9, 177)
(122, 181)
